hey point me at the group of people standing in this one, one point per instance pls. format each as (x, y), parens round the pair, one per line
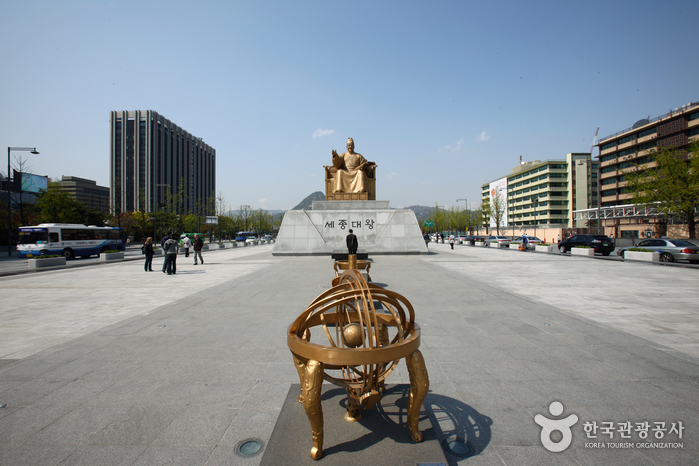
(171, 248)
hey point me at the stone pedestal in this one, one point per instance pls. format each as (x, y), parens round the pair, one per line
(323, 229)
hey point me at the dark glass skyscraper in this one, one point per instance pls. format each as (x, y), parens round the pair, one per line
(149, 156)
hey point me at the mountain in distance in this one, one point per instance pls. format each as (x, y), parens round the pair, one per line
(308, 201)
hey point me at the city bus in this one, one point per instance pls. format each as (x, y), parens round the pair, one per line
(68, 240)
(243, 235)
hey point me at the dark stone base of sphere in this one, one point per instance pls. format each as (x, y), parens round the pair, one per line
(380, 437)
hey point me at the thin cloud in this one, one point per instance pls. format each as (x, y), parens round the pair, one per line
(483, 137)
(319, 133)
(262, 201)
(391, 175)
(456, 147)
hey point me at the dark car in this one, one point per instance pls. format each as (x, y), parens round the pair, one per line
(670, 249)
(602, 244)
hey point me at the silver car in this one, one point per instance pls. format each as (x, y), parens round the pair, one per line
(504, 241)
(670, 249)
(532, 241)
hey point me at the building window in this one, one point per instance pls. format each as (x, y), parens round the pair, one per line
(648, 132)
(607, 158)
(608, 145)
(647, 145)
(627, 139)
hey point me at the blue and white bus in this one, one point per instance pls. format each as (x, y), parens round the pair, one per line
(68, 240)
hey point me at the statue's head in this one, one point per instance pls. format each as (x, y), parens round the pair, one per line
(350, 143)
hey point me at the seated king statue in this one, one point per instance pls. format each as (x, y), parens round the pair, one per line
(351, 176)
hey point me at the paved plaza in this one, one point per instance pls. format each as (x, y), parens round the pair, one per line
(108, 364)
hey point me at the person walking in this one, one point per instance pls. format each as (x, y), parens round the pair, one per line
(186, 244)
(198, 245)
(148, 251)
(451, 241)
(352, 243)
(171, 249)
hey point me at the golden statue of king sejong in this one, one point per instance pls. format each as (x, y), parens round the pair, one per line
(351, 176)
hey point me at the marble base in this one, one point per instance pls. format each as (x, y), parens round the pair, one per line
(322, 230)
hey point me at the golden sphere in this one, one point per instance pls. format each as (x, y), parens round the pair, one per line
(352, 335)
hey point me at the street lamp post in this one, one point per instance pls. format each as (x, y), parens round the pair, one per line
(157, 206)
(437, 225)
(9, 198)
(467, 214)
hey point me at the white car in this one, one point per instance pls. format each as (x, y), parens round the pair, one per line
(251, 239)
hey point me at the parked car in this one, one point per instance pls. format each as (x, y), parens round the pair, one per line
(473, 238)
(251, 239)
(670, 249)
(267, 238)
(602, 244)
(461, 239)
(502, 240)
(532, 241)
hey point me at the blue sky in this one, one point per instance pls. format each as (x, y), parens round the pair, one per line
(442, 95)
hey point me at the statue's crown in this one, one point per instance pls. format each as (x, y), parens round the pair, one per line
(350, 140)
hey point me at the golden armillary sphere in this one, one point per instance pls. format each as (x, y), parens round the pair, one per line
(369, 330)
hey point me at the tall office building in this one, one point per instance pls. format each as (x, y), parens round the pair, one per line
(546, 193)
(88, 192)
(150, 155)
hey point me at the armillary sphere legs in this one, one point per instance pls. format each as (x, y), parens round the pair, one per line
(419, 386)
(310, 391)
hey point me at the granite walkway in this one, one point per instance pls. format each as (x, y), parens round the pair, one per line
(112, 365)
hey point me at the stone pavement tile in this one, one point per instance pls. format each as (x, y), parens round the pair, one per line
(110, 371)
(486, 394)
(153, 372)
(22, 423)
(545, 339)
(609, 456)
(553, 370)
(197, 427)
(687, 390)
(533, 393)
(510, 370)
(171, 394)
(26, 370)
(464, 372)
(199, 370)
(136, 426)
(242, 373)
(168, 455)
(512, 427)
(538, 455)
(670, 457)
(586, 393)
(596, 370)
(642, 393)
(72, 370)
(122, 394)
(225, 395)
(34, 455)
(267, 395)
(643, 369)
(76, 427)
(28, 392)
(251, 423)
(487, 457)
(72, 394)
(112, 455)
(226, 456)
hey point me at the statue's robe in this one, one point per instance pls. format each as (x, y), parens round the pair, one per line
(347, 178)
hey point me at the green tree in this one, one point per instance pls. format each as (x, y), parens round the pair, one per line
(672, 185)
(57, 206)
(497, 210)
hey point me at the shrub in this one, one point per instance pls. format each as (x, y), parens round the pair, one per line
(48, 256)
(583, 247)
(111, 251)
(640, 250)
